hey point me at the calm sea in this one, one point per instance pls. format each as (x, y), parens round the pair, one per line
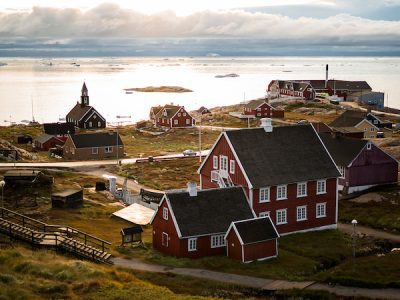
(50, 87)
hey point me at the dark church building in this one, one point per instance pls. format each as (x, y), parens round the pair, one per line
(85, 116)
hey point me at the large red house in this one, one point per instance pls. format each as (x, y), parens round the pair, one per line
(194, 223)
(361, 163)
(262, 109)
(286, 171)
(171, 116)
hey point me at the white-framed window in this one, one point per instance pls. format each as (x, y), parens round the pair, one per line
(342, 170)
(321, 186)
(375, 121)
(223, 163)
(215, 162)
(365, 129)
(108, 149)
(165, 213)
(369, 146)
(258, 115)
(217, 241)
(95, 150)
(184, 114)
(165, 113)
(281, 217)
(192, 244)
(301, 189)
(232, 166)
(301, 213)
(165, 239)
(320, 210)
(187, 121)
(98, 124)
(281, 192)
(179, 114)
(90, 124)
(263, 214)
(264, 194)
(175, 122)
(372, 129)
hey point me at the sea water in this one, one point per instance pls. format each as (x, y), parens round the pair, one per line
(47, 89)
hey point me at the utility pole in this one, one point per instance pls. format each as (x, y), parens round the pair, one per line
(118, 122)
(354, 223)
(201, 121)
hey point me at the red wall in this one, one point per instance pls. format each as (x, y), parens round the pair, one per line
(259, 250)
(166, 122)
(234, 248)
(265, 111)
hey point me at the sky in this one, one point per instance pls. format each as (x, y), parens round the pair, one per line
(177, 27)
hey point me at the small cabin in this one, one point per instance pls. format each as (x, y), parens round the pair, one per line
(67, 198)
(27, 177)
(131, 234)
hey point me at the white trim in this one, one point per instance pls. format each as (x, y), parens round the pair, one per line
(201, 182)
(324, 181)
(280, 186)
(316, 210)
(276, 216)
(372, 115)
(365, 120)
(217, 237)
(325, 227)
(165, 198)
(94, 112)
(162, 239)
(362, 149)
(232, 162)
(251, 198)
(301, 207)
(297, 189)
(337, 201)
(190, 249)
(165, 213)
(268, 199)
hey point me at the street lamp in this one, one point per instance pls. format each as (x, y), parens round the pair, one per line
(354, 223)
(2, 184)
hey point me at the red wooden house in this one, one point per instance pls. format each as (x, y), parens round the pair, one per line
(193, 224)
(362, 164)
(286, 171)
(302, 89)
(262, 109)
(171, 116)
(46, 141)
(203, 110)
(253, 239)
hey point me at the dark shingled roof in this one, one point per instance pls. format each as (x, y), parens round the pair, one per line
(288, 154)
(253, 104)
(256, 230)
(171, 111)
(59, 128)
(132, 230)
(78, 111)
(97, 139)
(46, 137)
(349, 118)
(210, 212)
(343, 149)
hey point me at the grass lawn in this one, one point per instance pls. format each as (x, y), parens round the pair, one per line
(384, 214)
(164, 175)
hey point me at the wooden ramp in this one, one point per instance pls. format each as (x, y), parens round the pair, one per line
(66, 238)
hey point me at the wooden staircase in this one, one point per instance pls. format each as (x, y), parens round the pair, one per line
(66, 238)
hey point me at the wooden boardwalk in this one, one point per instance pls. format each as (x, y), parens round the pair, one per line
(65, 238)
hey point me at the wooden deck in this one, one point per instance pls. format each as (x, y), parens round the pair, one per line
(66, 238)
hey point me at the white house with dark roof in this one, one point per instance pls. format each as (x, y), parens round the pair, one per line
(286, 171)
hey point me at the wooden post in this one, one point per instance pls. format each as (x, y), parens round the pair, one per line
(102, 244)
(85, 238)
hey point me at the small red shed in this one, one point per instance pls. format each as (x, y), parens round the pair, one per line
(253, 239)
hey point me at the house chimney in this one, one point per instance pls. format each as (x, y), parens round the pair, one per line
(326, 76)
(266, 123)
(192, 189)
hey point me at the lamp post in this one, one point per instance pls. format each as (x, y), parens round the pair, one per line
(354, 223)
(2, 184)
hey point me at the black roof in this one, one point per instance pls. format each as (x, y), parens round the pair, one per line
(132, 230)
(343, 149)
(349, 118)
(256, 230)
(288, 154)
(97, 139)
(59, 128)
(210, 212)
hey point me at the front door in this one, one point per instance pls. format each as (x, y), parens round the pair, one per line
(223, 163)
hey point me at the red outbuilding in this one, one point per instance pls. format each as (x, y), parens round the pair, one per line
(253, 239)
(47, 141)
(262, 109)
(171, 116)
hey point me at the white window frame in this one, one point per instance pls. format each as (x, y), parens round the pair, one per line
(223, 166)
(108, 149)
(184, 114)
(95, 150)
(281, 216)
(165, 213)
(164, 234)
(98, 124)
(187, 121)
(263, 214)
(318, 210)
(369, 146)
(264, 195)
(301, 213)
(321, 186)
(232, 166)
(192, 244)
(175, 122)
(281, 192)
(218, 241)
(215, 162)
(301, 192)
(90, 124)
(179, 114)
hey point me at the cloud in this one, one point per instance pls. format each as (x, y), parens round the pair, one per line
(109, 21)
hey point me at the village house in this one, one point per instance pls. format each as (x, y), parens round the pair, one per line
(46, 141)
(361, 163)
(88, 146)
(195, 223)
(366, 122)
(286, 172)
(59, 130)
(302, 89)
(85, 116)
(262, 109)
(203, 110)
(171, 116)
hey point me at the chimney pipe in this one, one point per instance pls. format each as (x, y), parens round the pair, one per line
(326, 76)
(266, 123)
(192, 189)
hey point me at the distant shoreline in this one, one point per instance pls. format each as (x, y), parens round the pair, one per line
(160, 89)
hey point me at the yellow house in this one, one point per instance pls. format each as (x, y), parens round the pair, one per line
(368, 128)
